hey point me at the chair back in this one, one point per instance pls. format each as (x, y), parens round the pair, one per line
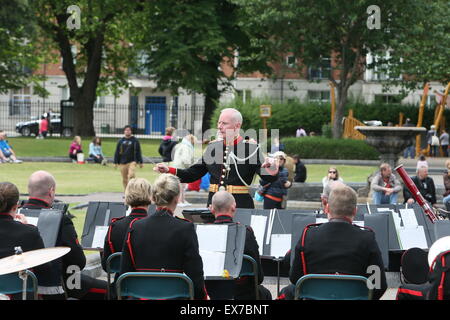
(250, 269)
(155, 285)
(332, 287)
(11, 283)
(112, 266)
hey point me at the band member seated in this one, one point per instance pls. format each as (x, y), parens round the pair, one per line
(162, 242)
(15, 232)
(231, 161)
(337, 246)
(425, 185)
(137, 196)
(41, 190)
(223, 208)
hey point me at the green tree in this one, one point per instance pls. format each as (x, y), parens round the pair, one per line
(186, 43)
(340, 30)
(18, 54)
(96, 53)
(420, 53)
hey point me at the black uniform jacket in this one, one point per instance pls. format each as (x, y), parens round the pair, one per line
(67, 237)
(338, 247)
(244, 286)
(214, 161)
(426, 188)
(117, 231)
(161, 242)
(14, 234)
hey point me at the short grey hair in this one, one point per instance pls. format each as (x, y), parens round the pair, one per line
(222, 201)
(330, 186)
(237, 116)
(342, 201)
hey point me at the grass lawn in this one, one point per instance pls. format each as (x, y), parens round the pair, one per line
(75, 178)
(59, 147)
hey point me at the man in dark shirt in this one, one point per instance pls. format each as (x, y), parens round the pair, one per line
(42, 189)
(224, 207)
(300, 169)
(127, 155)
(337, 246)
(425, 185)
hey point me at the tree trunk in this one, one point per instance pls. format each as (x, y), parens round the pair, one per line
(84, 115)
(339, 112)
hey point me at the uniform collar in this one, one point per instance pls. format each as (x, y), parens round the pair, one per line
(235, 141)
(164, 210)
(36, 202)
(6, 215)
(138, 211)
(222, 218)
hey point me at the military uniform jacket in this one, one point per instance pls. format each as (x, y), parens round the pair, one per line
(14, 234)
(163, 243)
(338, 247)
(67, 237)
(225, 164)
(117, 231)
(244, 286)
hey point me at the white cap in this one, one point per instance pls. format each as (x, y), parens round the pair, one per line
(439, 246)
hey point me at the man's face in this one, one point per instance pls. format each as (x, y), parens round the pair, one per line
(386, 172)
(422, 173)
(127, 132)
(2, 136)
(227, 126)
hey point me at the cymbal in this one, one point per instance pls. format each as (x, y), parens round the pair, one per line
(30, 259)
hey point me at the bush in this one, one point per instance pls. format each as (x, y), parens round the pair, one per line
(323, 148)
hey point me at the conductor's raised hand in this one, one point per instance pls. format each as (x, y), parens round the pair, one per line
(161, 168)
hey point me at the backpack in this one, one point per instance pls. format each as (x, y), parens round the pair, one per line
(434, 140)
(440, 278)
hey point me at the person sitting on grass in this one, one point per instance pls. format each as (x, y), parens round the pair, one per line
(75, 148)
(7, 154)
(95, 151)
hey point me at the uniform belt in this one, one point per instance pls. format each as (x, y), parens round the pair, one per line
(229, 188)
(273, 198)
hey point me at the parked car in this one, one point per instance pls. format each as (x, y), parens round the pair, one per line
(28, 128)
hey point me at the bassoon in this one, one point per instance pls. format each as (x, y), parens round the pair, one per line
(416, 193)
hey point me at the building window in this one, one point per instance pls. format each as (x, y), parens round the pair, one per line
(387, 98)
(20, 102)
(318, 96)
(321, 71)
(244, 95)
(291, 61)
(100, 102)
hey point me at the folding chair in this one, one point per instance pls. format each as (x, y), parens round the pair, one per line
(11, 284)
(155, 285)
(332, 287)
(112, 266)
(250, 269)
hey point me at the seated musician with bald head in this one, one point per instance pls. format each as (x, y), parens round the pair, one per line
(223, 208)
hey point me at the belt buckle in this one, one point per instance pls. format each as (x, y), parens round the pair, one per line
(222, 188)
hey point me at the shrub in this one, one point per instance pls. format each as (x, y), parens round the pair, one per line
(323, 148)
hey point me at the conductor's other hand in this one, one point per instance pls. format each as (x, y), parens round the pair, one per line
(161, 168)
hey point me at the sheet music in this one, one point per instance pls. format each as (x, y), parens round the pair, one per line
(397, 220)
(32, 220)
(272, 214)
(359, 223)
(409, 218)
(99, 236)
(413, 238)
(384, 209)
(212, 237)
(258, 224)
(280, 244)
(321, 220)
(213, 263)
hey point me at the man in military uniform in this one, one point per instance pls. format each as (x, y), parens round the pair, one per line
(224, 207)
(42, 189)
(231, 161)
(337, 246)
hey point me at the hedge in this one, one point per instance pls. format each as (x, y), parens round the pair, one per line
(288, 116)
(324, 148)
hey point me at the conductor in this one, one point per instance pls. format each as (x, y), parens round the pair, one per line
(231, 161)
